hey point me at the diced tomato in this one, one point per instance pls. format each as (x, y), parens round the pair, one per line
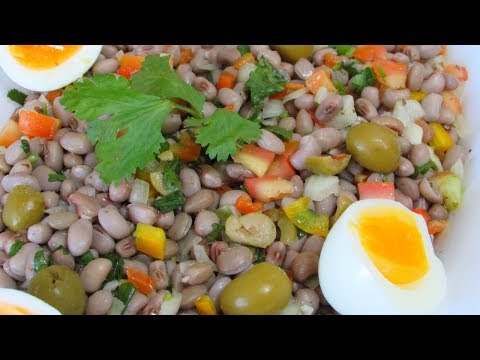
(34, 124)
(390, 73)
(10, 133)
(126, 72)
(290, 148)
(370, 52)
(52, 95)
(460, 72)
(255, 159)
(436, 226)
(245, 205)
(185, 56)
(451, 102)
(331, 60)
(226, 80)
(319, 79)
(281, 167)
(245, 59)
(268, 188)
(144, 283)
(376, 190)
(422, 212)
(186, 149)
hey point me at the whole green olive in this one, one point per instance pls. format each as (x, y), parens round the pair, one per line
(265, 289)
(293, 53)
(60, 287)
(375, 147)
(24, 208)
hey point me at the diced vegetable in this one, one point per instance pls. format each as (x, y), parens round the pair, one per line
(39, 261)
(255, 159)
(15, 248)
(117, 267)
(268, 188)
(247, 58)
(319, 187)
(85, 259)
(186, 149)
(52, 95)
(130, 64)
(423, 213)
(140, 191)
(413, 133)
(245, 205)
(343, 202)
(460, 72)
(10, 133)
(306, 219)
(33, 124)
(408, 111)
(293, 53)
(171, 304)
(331, 60)
(390, 73)
(376, 190)
(288, 231)
(327, 164)
(205, 306)
(362, 80)
(245, 71)
(185, 56)
(56, 177)
(417, 95)
(150, 240)
(226, 80)
(423, 169)
(17, 96)
(319, 79)
(347, 116)
(451, 187)
(281, 167)
(441, 140)
(243, 49)
(273, 108)
(169, 202)
(125, 293)
(451, 102)
(369, 53)
(264, 81)
(142, 282)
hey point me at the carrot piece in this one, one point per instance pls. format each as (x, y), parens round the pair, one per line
(370, 52)
(226, 80)
(424, 214)
(293, 86)
(52, 95)
(319, 79)
(280, 95)
(33, 124)
(186, 149)
(246, 58)
(144, 283)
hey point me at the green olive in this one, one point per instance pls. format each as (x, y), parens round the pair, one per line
(60, 287)
(263, 290)
(24, 208)
(293, 53)
(327, 164)
(374, 147)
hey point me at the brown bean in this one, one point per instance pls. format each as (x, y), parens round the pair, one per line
(10, 181)
(408, 186)
(105, 66)
(405, 167)
(314, 243)
(428, 192)
(180, 227)
(80, 236)
(309, 146)
(101, 241)
(39, 233)
(158, 270)
(87, 206)
(427, 131)
(99, 302)
(371, 94)
(76, 143)
(141, 213)
(126, 247)
(329, 138)
(190, 294)
(455, 153)
(53, 156)
(14, 153)
(328, 108)
(438, 212)
(228, 55)
(429, 51)
(6, 281)
(405, 145)
(326, 206)
(275, 253)
(165, 220)
(234, 260)
(403, 199)
(94, 180)
(171, 249)
(60, 258)
(22, 166)
(419, 154)
(271, 142)
(446, 116)
(138, 302)
(154, 303)
(120, 192)
(390, 122)
(416, 75)
(451, 81)
(18, 262)
(70, 160)
(434, 84)
(391, 96)
(205, 87)
(198, 273)
(307, 297)
(297, 183)
(304, 265)
(190, 181)
(204, 222)
(210, 177)
(305, 101)
(304, 123)
(135, 264)
(216, 249)
(113, 223)
(303, 68)
(201, 200)
(91, 160)
(217, 289)
(230, 197)
(95, 273)
(59, 238)
(365, 108)
(288, 123)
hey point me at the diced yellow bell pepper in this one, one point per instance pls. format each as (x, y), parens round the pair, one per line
(441, 140)
(205, 306)
(417, 95)
(150, 240)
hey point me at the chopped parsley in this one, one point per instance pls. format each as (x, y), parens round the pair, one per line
(244, 49)
(56, 177)
(25, 146)
(17, 96)
(264, 81)
(169, 202)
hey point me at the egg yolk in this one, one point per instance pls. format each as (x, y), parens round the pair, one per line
(393, 243)
(43, 57)
(9, 309)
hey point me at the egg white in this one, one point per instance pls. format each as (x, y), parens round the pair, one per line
(351, 282)
(53, 78)
(27, 301)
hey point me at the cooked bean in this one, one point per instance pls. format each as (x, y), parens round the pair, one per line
(104, 200)
(412, 52)
(205, 87)
(134, 264)
(303, 68)
(304, 123)
(405, 167)
(228, 96)
(171, 249)
(216, 249)
(204, 222)
(288, 123)
(190, 181)
(198, 273)
(190, 294)
(105, 66)
(434, 84)
(416, 76)
(59, 257)
(80, 236)
(76, 143)
(304, 265)
(446, 116)
(94, 180)
(101, 241)
(4, 167)
(180, 227)
(438, 212)
(6, 281)
(22, 166)
(365, 108)
(371, 94)
(61, 220)
(374, 177)
(91, 160)
(234, 260)
(95, 273)
(427, 131)
(297, 183)
(158, 270)
(138, 302)
(403, 199)
(10, 181)
(429, 51)
(99, 302)
(50, 198)
(275, 253)
(80, 172)
(271, 142)
(329, 138)
(238, 172)
(113, 223)
(154, 303)
(328, 108)
(142, 213)
(314, 243)
(228, 55)
(305, 101)
(341, 76)
(309, 146)
(347, 186)
(53, 156)
(87, 206)
(59, 238)
(39, 233)
(319, 55)
(455, 153)
(390, 122)
(405, 145)
(126, 247)
(60, 112)
(165, 220)
(428, 192)
(217, 289)
(61, 132)
(307, 297)
(42, 173)
(400, 58)
(201, 200)
(408, 186)
(326, 206)
(419, 154)
(210, 177)
(15, 153)
(421, 203)
(391, 96)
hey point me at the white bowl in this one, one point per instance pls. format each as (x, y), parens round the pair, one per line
(459, 247)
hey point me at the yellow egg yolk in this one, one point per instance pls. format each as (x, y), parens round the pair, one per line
(9, 309)
(43, 57)
(393, 243)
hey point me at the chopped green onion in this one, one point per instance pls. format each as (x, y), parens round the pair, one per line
(168, 296)
(117, 267)
(216, 233)
(25, 146)
(284, 115)
(33, 158)
(223, 213)
(243, 49)
(125, 293)
(117, 307)
(56, 177)
(85, 259)
(39, 261)
(347, 50)
(383, 177)
(44, 109)
(340, 87)
(169, 202)
(423, 169)
(338, 66)
(17, 96)
(17, 245)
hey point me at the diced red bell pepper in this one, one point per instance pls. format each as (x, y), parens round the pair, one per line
(376, 190)
(245, 205)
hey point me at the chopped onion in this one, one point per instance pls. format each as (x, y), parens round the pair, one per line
(291, 309)
(408, 111)
(437, 63)
(435, 159)
(139, 193)
(186, 244)
(295, 94)
(457, 168)
(202, 257)
(319, 187)
(57, 209)
(347, 116)
(171, 305)
(321, 94)
(413, 132)
(111, 285)
(463, 127)
(116, 308)
(245, 71)
(273, 108)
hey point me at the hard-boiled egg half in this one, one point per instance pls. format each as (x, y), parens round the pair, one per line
(378, 258)
(47, 67)
(15, 302)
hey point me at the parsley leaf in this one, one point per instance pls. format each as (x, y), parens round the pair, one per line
(264, 81)
(169, 202)
(17, 96)
(223, 132)
(243, 49)
(157, 78)
(285, 134)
